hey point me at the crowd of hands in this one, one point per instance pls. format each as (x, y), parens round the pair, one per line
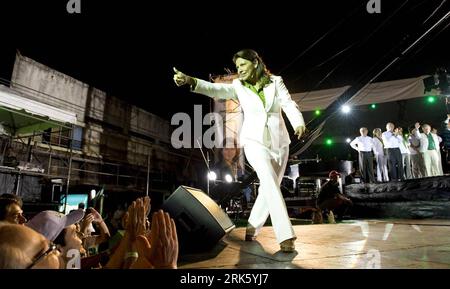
(156, 247)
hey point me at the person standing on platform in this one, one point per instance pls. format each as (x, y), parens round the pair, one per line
(264, 136)
(446, 144)
(440, 169)
(429, 146)
(392, 144)
(364, 145)
(404, 149)
(417, 164)
(380, 156)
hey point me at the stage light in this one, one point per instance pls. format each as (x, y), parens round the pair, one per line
(317, 112)
(93, 193)
(328, 141)
(345, 109)
(431, 99)
(228, 178)
(348, 140)
(212, 176)
(373, 106)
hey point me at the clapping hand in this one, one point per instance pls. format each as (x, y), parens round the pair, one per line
(161, 251)
(136, 218)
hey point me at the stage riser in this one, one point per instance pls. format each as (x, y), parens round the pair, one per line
(421, 198)
(402, 210)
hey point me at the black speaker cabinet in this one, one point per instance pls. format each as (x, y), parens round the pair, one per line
(200, 222)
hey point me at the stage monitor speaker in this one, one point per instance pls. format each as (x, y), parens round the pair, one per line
(200, 222)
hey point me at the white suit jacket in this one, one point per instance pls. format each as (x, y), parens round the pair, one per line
(256, 116)
(424, 141)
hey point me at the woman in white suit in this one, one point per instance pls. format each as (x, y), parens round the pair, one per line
(264, 136)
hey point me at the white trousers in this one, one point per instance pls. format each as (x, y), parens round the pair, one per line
(431, 160)
(269, 166)
(406, 160)
(382, 170)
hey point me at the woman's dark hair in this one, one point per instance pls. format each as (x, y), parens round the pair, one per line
(252, 55)
(226, 144)
(61, 240)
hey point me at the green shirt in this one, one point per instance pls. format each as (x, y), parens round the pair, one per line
(259, 92)
(431, 144)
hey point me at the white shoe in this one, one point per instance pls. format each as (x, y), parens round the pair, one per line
(288, 246)
(331, 219)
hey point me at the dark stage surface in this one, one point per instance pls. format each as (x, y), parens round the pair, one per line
(412, 199)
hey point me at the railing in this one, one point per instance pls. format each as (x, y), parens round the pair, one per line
(51, 152)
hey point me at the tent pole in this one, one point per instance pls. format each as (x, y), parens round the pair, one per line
(70, 170)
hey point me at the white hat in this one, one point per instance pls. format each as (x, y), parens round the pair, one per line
(51, 223)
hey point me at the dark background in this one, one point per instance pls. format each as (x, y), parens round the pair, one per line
(128, 48)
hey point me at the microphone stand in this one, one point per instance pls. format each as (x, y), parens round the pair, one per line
(206, 159)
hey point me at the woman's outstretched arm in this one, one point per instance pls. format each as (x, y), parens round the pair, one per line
(213, 90)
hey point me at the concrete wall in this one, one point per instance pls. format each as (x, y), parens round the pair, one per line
(148, 124)
(94, 108)
(53, 88)
(113, 131)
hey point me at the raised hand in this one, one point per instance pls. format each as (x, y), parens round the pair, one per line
(181, 79)
(86, 222)
(97, 217)
(147, 205)
(136, 219)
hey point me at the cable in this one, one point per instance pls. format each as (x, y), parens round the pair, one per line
(404, 52)
(373, 79)
(318, 40)
(434, 12)
(324, 62)
(359, 45)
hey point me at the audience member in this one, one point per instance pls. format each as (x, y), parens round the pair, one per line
(11, 209)
(24, 248)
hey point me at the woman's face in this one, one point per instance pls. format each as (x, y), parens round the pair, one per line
(246, 69)
(14, 215)
(72, 239)
(229, 153)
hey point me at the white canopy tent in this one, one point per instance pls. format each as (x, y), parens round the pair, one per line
(20, 114)
(378, 92)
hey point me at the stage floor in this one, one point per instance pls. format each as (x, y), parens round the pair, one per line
(383, 243)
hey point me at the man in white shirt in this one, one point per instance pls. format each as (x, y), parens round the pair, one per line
(417, 164)
(380, 156)
(364, 145)
(440, 171)
(429, 146)
(392, 144)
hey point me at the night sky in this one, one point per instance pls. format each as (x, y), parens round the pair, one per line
(128, 48)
